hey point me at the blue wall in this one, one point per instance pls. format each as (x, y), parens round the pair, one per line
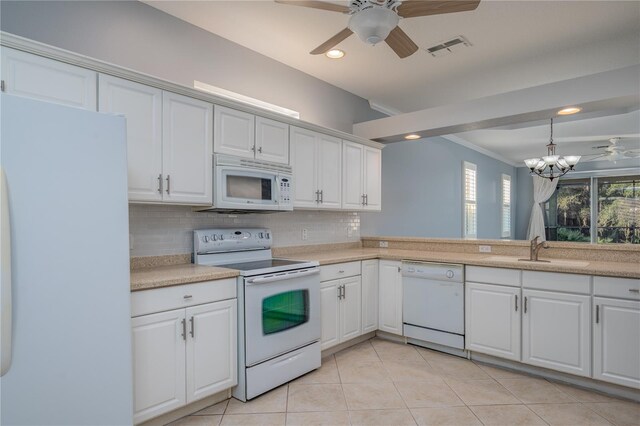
(422, 191)
(524, 188)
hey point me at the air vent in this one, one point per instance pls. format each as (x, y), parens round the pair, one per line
(449, 46)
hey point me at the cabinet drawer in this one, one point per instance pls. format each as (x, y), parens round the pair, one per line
(501, 276)
(339, 270)
(181, 296)
(554, 281)
(626, 288)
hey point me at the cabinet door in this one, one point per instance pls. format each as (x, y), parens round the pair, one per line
(186, 150)
(390, 287)
(352, 174)
(272, 141)
(616, 341)
(142, 106)
(40, 78)
(556, 331)
(492, 320)
(304, 161)
(211, 349)
(234, 132)
(351, 308)
(330, 313)
(372, 180)
(329, 172)
(369, 295)
(158, 364)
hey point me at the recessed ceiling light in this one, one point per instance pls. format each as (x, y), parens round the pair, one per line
(569, 110)
(335, 54)
(412, 136)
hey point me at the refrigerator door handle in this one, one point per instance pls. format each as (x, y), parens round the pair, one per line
(5, 278)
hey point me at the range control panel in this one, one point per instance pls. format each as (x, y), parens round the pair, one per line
(230, 239)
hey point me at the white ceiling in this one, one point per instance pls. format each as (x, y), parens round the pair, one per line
(516, 44)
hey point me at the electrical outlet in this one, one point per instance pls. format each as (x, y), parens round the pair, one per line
(305, 234)
(384, 244)
(484, 249)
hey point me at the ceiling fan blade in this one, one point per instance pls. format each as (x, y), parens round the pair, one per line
(333, 41)
(415, 8)
(400, 42)
(316, 4)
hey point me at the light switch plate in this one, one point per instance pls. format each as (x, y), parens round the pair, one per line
(484, 249)
(384, 244)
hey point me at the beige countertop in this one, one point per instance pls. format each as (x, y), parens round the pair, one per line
(162, 276)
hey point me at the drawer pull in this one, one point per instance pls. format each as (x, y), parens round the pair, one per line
(187, 296)
(342, 272)
(634, 290)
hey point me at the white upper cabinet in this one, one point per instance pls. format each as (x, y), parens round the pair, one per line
(246, 135)
(362, 177)
(187, 160)
(142, 106)
(556, 331)
(272, 141)
(316, 160)
(492, 320)
(616, 341)
(32, 76)
(234, 132)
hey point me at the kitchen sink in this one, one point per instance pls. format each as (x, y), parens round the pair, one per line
(559, 262)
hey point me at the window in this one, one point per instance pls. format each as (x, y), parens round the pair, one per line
(470, 215)
(595, 209)
(506, 206)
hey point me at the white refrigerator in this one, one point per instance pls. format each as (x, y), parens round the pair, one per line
(65, 321)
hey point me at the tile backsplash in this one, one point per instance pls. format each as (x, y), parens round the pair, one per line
(157, 230)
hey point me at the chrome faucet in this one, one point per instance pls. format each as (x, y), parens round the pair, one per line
(534, 248)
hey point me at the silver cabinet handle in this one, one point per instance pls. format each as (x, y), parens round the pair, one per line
(516, 303)
(341, 271)
(597, 314)
(344, 291)
(168, 183)
(399, 269)
(362, 199)
(187, 296)
(260, 150)
(366, 199)
(253, 148)
(184, 329)
(634, 290)
(160, 183)
(193, 328)
(2, 86)
(339, 288)
(525, 305)
(321, 196)
(318, 196)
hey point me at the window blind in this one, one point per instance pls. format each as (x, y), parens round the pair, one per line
(470, 216)
(506, 206)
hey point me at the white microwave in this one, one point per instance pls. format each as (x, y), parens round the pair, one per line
(245, 185)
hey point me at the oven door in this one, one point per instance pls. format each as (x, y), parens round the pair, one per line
(243, 188)
(282, 313)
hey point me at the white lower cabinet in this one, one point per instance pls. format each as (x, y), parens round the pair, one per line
(556, 331)
(616, 341)
(185, 354)
(369, 295)
(390, 297)
(492, 320)
(340, 302)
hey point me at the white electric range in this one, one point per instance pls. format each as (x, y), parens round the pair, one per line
(278, 307)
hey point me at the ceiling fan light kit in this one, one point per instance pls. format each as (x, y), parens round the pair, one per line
(544, 167)
(374, 24)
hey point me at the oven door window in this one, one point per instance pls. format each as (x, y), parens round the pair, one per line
(284, 311)
(249, 187)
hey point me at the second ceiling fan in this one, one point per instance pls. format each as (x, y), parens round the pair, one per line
(377, 20)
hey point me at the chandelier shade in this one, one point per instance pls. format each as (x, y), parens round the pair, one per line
(551, 166)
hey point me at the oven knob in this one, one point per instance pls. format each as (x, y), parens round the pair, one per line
(205, 239)
(261, 235)
(268, 236)
(221, 237)
(214, 237)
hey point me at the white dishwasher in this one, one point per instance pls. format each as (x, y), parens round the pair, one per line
(433, 303)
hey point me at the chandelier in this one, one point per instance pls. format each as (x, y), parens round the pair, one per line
(552, 166)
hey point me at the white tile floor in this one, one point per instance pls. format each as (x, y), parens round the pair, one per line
(384, 383)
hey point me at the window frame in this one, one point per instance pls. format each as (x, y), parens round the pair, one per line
(469, 166)
(508, 206)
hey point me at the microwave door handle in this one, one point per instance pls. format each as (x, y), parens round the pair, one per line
(284, 276)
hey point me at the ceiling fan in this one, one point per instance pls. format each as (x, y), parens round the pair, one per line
(377, 20)
(615, 151)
